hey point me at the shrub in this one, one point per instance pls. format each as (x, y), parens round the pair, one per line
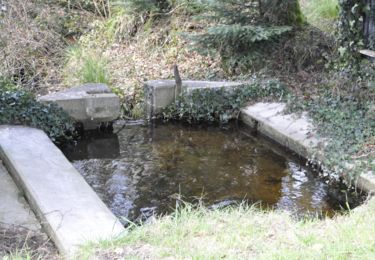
(20, 107)
(241, 28)
(30, 45)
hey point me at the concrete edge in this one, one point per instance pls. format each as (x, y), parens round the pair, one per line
(67, 249)
(365, 181)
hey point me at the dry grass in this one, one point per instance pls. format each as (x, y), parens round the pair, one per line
(21, 243)
(31, 50)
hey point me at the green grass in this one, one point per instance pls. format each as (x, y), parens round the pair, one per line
(244, 233)
(94, 70)
(84, 65)
(321, 13)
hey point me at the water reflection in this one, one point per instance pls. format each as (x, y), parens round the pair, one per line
(154, 166)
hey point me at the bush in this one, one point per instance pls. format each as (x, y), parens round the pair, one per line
(19, 107)
(30, 45)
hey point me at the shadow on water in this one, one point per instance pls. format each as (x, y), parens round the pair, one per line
(143, 170)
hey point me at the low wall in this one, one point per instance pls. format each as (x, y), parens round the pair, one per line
(159, 94)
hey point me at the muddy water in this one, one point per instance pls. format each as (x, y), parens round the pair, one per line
(145, 170)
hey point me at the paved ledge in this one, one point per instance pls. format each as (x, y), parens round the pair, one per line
(294, 132)
(70, 211)
(14, 209)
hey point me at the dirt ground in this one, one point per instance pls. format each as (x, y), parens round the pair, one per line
(18, 242)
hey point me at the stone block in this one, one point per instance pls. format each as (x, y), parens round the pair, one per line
(161, 93)
(90, 104)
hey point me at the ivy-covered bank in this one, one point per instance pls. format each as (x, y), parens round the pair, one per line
(348, 126)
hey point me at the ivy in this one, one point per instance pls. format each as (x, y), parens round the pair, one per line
(349, 127)
(351, 40)
(19, 107)
(219, 104)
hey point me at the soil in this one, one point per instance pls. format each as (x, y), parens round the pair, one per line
(20, 242)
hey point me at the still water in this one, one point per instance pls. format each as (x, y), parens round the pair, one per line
(142, 170)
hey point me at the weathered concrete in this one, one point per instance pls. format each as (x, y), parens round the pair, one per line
(294, 132)
(90, 104)
(14, 209)
(291, 131)
(161, 93)
(70, 211)
(369, 54)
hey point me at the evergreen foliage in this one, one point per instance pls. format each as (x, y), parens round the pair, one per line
(143, 6)
(242, 27)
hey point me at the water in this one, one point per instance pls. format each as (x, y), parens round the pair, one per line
(145, 170)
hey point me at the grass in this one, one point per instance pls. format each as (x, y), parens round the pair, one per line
(321, 13)
(94, 70)
(244, 233)
(84, 65)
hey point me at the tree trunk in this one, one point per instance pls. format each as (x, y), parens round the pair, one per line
(369, 25)
(282, 12)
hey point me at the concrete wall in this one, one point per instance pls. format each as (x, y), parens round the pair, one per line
(161, 93)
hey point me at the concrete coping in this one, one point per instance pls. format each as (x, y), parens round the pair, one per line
(295, 132)
(368, 54)
(89, 89)
(193, 84)
(69, 210)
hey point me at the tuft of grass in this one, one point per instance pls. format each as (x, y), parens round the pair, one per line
(244, 233)
(94, 70)
(321, 13)
(84, 65)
